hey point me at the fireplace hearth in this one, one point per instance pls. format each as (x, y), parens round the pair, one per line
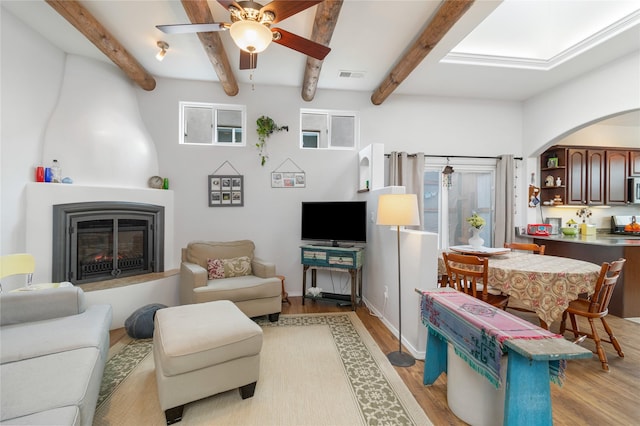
(99, 241)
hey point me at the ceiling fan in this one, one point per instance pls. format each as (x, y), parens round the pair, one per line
(250, 28)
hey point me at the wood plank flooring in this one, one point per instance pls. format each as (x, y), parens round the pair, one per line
(589, 396)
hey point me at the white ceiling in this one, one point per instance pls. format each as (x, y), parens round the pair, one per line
(513, 50)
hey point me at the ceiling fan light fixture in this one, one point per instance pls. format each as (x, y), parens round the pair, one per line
(164, 46)
(250, 36)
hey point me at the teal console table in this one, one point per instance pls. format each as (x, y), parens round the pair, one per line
(343, 259)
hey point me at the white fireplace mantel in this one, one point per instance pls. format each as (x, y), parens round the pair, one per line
(40, 198)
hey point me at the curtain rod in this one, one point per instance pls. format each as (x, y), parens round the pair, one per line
(457, 156)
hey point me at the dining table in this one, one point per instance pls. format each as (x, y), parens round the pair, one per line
(541, 283)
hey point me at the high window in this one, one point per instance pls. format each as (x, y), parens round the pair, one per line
(328, 129)
(212, 124)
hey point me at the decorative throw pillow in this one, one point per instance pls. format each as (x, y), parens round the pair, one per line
(237, 266)
(215, 268)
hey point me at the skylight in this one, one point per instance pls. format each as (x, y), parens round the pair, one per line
(539, 34)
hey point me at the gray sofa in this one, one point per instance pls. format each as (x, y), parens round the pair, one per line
(257, 293)
(53, 349)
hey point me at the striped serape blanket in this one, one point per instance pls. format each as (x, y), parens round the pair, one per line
(477, 331)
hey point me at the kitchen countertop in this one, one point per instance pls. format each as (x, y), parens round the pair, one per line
(600, 239)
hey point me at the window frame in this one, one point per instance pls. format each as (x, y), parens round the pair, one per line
(329, 114)
(237, 135)
(471, 165)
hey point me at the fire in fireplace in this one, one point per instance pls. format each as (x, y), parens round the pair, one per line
(99, 241)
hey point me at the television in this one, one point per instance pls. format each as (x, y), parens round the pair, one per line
(335, 223)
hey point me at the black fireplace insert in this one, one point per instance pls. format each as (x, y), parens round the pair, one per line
(99, 241)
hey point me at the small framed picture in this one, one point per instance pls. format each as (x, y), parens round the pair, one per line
(556, 224)
(214, 185)
(226, 191)
(288, 180)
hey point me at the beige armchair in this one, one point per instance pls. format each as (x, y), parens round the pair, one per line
(213, 270)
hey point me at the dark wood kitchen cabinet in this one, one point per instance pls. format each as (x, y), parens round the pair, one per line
(590, 175)
(552, 166)
(634, 163)
(585, 176)
(617, 171)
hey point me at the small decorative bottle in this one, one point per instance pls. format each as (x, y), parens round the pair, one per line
(558, 181)
(56, 172)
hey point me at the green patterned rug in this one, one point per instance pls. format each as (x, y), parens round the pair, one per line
(317, 369)
(121, 365)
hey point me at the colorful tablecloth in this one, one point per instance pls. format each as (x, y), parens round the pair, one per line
(544, 284)
(477, 331)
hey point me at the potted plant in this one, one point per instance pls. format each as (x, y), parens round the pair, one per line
(477, 223)
(266, 126)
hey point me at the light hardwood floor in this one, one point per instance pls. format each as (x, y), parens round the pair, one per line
(589, 396)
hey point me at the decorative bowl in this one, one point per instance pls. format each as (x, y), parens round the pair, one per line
(570, 231)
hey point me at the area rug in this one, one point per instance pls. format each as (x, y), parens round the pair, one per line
(315, 369)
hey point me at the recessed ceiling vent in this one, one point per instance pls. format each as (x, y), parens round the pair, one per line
(351, 74)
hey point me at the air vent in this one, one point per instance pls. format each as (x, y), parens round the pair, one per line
(351, 74)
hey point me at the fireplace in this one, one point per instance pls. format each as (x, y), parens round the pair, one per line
(98, 241)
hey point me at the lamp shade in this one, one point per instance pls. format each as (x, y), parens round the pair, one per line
(251, 36)
(398, 209)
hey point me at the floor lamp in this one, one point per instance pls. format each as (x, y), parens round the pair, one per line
(399, 210)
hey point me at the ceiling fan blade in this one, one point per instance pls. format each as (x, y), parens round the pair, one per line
(285, 8)
(248, 61)
(192, 28)
(227, 3)
(301, 44)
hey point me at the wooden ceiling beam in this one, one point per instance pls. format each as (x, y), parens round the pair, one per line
(324, 24)
(447, 15)
(198, 12)
(97, 34)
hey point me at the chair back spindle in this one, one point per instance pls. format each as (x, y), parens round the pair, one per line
(609, 273)
(533, 248)
(467, 273)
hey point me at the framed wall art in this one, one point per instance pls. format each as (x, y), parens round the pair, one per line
(226, 190)
(282, 177)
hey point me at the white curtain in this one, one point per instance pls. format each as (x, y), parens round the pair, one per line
(408, 170)
(505, 200)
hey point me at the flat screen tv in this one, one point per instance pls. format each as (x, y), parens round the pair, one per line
(335, 223)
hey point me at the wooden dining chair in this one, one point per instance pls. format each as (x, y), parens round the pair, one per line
(533, 248)
(596, 306)
(469, 274)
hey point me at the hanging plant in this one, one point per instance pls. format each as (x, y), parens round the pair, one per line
(266, 126)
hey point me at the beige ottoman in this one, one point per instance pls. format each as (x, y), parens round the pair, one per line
(201, 350)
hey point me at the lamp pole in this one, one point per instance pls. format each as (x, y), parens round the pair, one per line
(399, 358)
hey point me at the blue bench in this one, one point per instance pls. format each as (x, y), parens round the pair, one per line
(527, 392)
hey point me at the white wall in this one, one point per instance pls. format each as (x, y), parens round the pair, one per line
(271, 216)
(419, 270)
(95, 131)
(551, 117)
(30, 78)
(606, 91)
